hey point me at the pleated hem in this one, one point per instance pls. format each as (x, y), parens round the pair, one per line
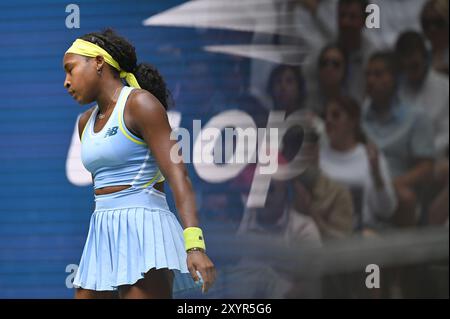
(123, 244)
(177, 281)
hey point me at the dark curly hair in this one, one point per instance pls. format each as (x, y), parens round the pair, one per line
(278, 71)
(352, 108)
(124, 53)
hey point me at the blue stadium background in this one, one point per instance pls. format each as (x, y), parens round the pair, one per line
(43, 217)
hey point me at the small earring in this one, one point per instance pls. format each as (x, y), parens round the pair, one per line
(99, 71)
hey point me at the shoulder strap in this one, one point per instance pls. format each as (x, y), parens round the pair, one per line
(121, 107)
(89, 122)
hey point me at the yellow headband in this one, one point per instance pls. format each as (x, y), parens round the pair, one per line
(92, 50)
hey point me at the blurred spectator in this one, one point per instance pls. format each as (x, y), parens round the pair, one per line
(287, 23)
(402, 133)
(332, 68)
(423, 87)
(351, 21)
(348, 159)
(357, 47)
(286, 87)
(434, 20)
(277, 217)
(307, 25)
(396, 16)
(282, 222)
(315, 195)
(328, 203)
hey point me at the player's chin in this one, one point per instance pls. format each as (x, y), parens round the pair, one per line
(83, 100)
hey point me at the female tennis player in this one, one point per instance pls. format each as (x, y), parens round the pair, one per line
(135, 248)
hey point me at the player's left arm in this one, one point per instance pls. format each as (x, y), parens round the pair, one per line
(146, 116)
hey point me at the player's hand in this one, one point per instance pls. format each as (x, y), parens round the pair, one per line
(199, 261)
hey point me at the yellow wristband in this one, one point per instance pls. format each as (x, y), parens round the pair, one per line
(193, 238)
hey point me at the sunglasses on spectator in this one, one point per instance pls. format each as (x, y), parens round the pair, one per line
(436, 23)
(330, 62)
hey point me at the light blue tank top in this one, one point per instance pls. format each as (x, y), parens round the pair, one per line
(115, 156)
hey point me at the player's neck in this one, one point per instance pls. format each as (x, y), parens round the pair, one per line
(108, 95)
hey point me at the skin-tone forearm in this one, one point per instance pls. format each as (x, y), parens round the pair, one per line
(146, 116)
(184, 196)
(418, 174)
(149, 118)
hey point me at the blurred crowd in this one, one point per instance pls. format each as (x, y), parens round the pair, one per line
(381, 145)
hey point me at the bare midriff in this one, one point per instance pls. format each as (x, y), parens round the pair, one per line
(118, 188)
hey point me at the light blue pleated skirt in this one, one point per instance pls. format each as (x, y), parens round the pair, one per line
(131, 232)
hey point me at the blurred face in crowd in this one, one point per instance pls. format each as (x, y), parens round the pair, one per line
(351, 21)
(286, 90)
(414, 67)
(332, 69)
(380, 82)
(435, 25)
(339, 124)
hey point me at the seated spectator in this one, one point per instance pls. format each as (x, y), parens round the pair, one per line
(347, 158)
(287, 88)
(315, 195)
(423, 87)
(357, 47)
(326, 202)
(279, 218)
(434, 20)
(332, 68)
(353, 41)
(402, 133)
(282, 223)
